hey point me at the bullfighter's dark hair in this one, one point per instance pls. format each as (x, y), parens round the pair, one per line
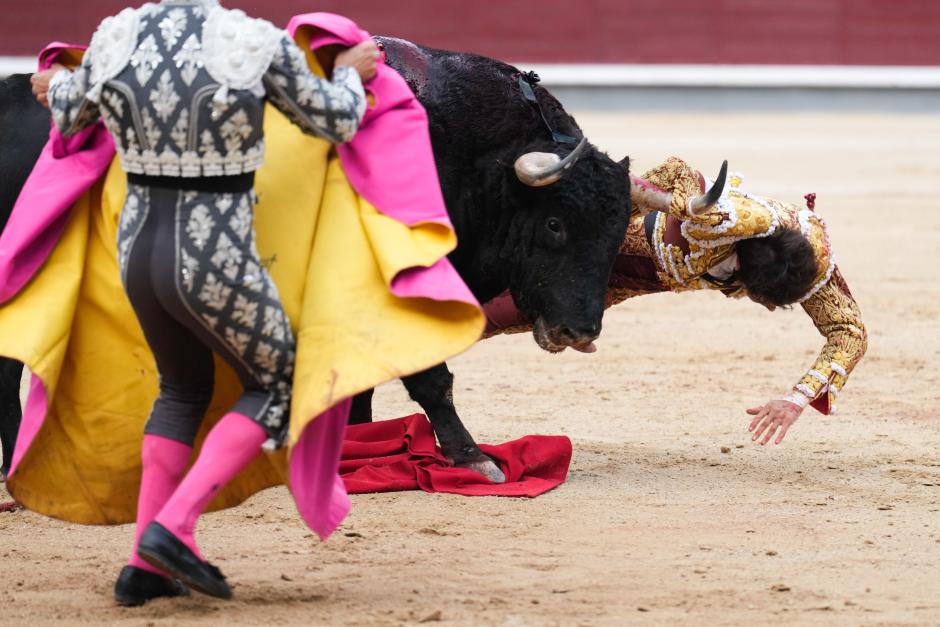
(778, 269)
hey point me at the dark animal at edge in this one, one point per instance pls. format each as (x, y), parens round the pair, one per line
(24, 129)
(550, 241)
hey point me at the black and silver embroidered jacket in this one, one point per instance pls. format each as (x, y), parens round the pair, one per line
(181, 86)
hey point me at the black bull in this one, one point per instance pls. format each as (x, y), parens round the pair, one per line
(550, 241)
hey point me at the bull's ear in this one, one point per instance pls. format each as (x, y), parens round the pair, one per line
(625, 164)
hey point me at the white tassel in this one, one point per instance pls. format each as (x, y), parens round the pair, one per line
(219, 102)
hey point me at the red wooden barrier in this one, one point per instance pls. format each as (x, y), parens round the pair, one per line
(851, 32)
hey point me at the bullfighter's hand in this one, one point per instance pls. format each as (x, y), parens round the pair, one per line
(774, 417)
(362, 57)
(40, 83)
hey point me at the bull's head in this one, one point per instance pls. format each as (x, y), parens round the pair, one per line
(572, 218)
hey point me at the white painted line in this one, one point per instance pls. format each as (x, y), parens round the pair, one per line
(741, 76)
(17, 65)
(748, 76)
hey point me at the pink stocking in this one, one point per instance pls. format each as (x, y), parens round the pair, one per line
(231, 445)
(164, 464)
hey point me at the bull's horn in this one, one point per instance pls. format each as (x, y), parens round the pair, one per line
(537, 169)
(701, 204)
(646, 197)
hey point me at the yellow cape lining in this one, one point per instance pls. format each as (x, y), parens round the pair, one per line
(332, 256)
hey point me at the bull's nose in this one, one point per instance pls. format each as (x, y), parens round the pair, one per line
(582, 333)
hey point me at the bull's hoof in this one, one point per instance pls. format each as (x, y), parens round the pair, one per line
(486, 467)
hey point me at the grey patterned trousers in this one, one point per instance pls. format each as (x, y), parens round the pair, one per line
(191, 271)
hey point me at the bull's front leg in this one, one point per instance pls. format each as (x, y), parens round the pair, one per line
(10, 412)
(433, 389)
(360, 411)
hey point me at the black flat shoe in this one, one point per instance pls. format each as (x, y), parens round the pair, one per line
(161, 549)
(135, 586)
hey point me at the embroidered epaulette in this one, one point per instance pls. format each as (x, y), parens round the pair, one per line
(238, 49)
(111, 48)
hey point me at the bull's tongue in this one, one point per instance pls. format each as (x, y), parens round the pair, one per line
(585, 348)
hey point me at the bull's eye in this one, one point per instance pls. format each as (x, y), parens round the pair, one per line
(554, 225)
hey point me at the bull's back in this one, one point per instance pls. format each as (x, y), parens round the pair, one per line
(24, 130)
(474, 103)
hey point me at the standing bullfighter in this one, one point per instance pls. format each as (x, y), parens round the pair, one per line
(186, 247)
(775, 253)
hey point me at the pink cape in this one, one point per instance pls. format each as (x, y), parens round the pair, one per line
(68, 167)
(390, 161)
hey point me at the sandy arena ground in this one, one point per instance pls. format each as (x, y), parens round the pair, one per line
(840, 525)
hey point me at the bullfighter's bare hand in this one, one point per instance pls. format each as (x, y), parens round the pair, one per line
(40, 83)
(362, 57)
(775, 417)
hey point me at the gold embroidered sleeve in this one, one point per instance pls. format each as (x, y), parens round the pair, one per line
(837, 317)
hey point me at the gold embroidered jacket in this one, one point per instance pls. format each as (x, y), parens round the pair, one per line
(672, 263)
(740, 215)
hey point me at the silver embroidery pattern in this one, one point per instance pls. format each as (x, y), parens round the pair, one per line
(172, 27)
(189, 59)
(253, 278)
(112, 117)
(266, 356)
(212, 163)
(130, 140)
(332, 110)
(227, 288)
(229, 310)
(117, 104)
(227, 258)
(245, 311)
(273, 323)
(308, 93)
(164, 98)
(236, 131)
(133, 215)
(180, 130)
(151, 132)
(199, 226)
(240, 223)
(237, 339)
(72, 106)
(214, 293)
(224, 202)
(190, 268)
(145, 60)
(187, 98)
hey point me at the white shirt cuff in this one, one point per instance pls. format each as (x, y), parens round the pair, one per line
(797, 398)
